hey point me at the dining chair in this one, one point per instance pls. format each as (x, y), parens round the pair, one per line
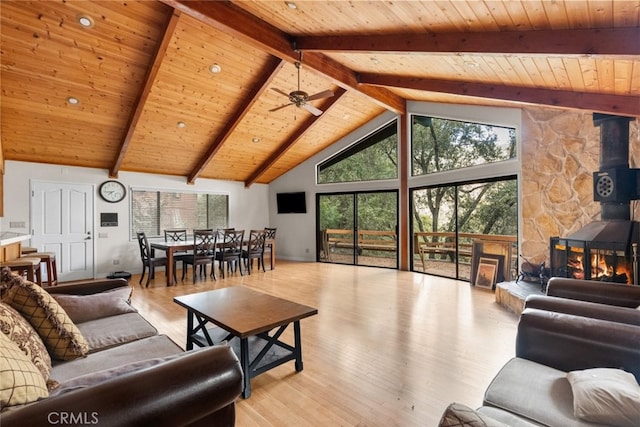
(149, 261)
(204, 250)
(255, 249)
(269, 237)
(177, 235)
(230, 250)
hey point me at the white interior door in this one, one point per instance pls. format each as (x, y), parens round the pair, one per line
(62, 222)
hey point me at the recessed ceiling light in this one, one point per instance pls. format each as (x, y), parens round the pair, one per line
(375, 60)
(72, 100)
(85, 20)
(215, 68)
(181, 124)
(291, 5)
(255, 140)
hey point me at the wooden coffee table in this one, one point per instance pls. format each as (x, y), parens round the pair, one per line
(252, 323)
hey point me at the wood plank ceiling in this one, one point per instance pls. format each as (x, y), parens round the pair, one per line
(148, 101)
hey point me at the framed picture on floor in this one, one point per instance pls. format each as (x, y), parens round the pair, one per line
(487, 272)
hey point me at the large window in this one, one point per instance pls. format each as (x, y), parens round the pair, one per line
(372, 158)
(440, 145)
(448, 220)
(358, 228)
(155, 211)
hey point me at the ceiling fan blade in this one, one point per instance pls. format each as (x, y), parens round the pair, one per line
(320, 95)
(313, 110)
(280, 107)
(281, 92)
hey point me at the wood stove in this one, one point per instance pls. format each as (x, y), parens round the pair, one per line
(605, 250)
(611, 257)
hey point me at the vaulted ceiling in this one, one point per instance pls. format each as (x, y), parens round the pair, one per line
(149, 102)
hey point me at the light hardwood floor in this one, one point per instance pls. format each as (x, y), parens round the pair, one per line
(387, 348)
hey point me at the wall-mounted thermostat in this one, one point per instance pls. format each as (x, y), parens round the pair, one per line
(109, 219)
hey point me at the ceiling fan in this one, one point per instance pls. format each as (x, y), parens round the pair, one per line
(300, 98)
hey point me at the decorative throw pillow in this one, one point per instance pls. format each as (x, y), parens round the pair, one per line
(20, 381)
(82, 308)
(458, 415)
(58, 332)
(606, 395)
(18, 330)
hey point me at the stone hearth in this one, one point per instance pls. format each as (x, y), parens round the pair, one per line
(512, 295)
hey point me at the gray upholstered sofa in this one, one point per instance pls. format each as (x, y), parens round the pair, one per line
(557, 335)
(130, 374)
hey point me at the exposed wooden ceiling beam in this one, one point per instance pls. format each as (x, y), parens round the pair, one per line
(603, 41)
(230, 19)
(1, 158)
(285, 146)
(268, 74)
(144, 92)
(604, 103)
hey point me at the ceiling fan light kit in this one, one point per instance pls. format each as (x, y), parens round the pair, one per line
(300, 98)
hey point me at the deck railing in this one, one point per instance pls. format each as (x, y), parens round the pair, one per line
(425, 243)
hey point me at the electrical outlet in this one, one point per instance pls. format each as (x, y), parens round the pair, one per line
(306, 251)
(116, 262)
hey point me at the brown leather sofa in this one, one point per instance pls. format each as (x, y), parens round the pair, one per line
(137, 378)
(593, 291)
(557, 335)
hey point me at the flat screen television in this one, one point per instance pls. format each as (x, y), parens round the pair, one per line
(291, 202)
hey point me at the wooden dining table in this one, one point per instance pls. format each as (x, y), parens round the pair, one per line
(171, 247)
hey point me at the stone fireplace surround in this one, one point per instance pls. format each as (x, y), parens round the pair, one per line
(560, 152)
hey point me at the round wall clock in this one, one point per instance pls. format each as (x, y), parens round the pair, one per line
(112, 191)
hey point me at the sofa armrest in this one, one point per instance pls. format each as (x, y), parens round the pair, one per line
(200, 385)
(87, 287)
(594, 291)
(583, 308)
(568, 342)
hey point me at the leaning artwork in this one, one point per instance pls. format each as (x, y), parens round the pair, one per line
(487, 270)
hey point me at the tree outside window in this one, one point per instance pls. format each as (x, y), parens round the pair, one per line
(375, 157)
(439, 145)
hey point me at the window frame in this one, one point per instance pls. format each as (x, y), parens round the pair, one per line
(430, 117)
(344, 153)
(498, 116)
(133, 190)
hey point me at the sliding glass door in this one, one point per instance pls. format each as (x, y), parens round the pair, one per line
(336, 226)
(453, 226)
(358, 228)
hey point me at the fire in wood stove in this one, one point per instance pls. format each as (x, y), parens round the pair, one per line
(577, 260)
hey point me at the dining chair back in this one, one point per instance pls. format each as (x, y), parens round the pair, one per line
(270, 238)
(221, 232)
(255, 249)
(148, 260)
(230, 250)
(204, 248)
(175, 235)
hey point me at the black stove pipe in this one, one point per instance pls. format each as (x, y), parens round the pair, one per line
(615, 184)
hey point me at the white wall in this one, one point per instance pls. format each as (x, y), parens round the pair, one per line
(246, 205)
